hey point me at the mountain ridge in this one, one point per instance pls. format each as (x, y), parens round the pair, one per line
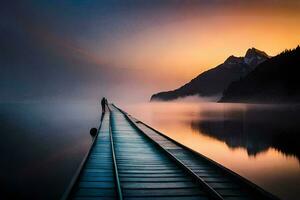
(275, 80)
(214, 81)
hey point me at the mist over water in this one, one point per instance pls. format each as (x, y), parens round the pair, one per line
(260, 142)
(42, 144)
(58, 57)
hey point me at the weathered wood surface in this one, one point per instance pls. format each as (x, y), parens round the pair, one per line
(130, 160)
(144, 170)
(96, 180)
(225, 182)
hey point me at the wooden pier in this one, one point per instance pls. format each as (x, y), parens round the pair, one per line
(130, 160)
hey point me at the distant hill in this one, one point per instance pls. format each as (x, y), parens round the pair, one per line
(214, 81)
(275, 80)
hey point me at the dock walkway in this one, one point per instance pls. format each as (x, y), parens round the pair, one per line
(130, 160)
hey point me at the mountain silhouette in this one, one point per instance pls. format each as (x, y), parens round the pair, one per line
(275, 80)
(214, 81)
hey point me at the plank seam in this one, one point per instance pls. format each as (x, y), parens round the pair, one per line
(209, 189)
(117, 180)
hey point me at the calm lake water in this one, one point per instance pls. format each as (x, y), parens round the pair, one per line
(43, 144)
(259, 142)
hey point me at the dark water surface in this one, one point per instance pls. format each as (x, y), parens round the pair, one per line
(43, 144)
(41, 147)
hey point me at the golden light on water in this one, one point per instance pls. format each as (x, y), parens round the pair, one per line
(266, 167)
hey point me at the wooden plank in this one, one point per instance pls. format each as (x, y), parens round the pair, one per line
(155, 179)
(97, 178)
(207, 169)
(83, 192)
(85, 184)
(135, 185)
(144, 169)
(96, 174)
(163, 192)
(130, 171)
(147, 173)
(141, 175)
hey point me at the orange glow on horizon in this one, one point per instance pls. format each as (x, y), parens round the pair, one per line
(199, 41)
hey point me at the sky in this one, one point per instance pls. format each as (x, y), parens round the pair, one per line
(127, 50)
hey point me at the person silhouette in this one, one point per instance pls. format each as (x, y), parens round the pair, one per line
(103, 102)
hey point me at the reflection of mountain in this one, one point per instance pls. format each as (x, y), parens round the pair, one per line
(256, 130)
(214, 81)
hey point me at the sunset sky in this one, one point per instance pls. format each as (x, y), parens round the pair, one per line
(127, 50)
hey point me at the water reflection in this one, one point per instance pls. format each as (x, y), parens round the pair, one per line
(258, 142)
(255, 128)
(42, 144)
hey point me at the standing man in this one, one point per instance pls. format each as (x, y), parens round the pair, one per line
(103, 102)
